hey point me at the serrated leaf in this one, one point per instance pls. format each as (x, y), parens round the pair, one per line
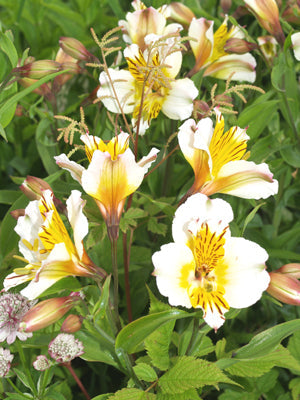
(132, 394)
(102, 396)
(294, 386)
(129, 218)
(189, 373)
(188, 395)
(157, 227)
(145, 372)
(133, 334)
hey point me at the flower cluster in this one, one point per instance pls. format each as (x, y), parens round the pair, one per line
(5, 360)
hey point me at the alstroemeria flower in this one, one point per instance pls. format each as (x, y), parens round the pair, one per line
(267, 14)
(112, 175)
(268, 46)
(217, 160)
(295, 38)
(47, 248)
(144, 21)
(208, 49)
(207, 268)
(150, 80)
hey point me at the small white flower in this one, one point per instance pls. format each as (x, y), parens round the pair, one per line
(207, 268)
(41, 363)
(65, 348)
(5, 359)
(13, 307)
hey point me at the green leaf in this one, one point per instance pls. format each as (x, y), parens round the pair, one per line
(157, 344)
(190, 394)
(8, 47)
(9, 196)
(23, 378)
(250, 217)
(132, 394)
(116, 8)
(46, 146)
(266, 341)
(102, 396)
(294, 386)
(189, 373)
(157, 227)
(145, 372)
(129, 218)
(291, 155)
(136, 332)
(2, 132)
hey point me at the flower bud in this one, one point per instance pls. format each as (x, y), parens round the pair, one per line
(284, 288)
(47, 312)
(20, 212)
(33, 187)
(292, 12)
(75, 49)
(37, 69)
(225, 5)
(267, 14)
(239, 46)
(41, 363)
(267, 46)
(180, 13)
(292, 270)
(72, 323)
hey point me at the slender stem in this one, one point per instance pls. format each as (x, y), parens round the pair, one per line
(126, 257)
(194, 336)
(116, 280)
(130, 370)
(162, 161)
(16, 389)
(294, 129)
(78, 381)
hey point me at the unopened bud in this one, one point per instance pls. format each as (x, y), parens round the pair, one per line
(284, 288)
(72, 323)
(33, 187)
(75, 49)
(37, 69)
(180, 13)
(239, 46)
(292, 13)
(292, 270)
(17, 213)
(225, 5)
(47, 312)
(201, 108)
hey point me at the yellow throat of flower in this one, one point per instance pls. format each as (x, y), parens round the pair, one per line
(205, 278)
(114, 147)
(220, 38)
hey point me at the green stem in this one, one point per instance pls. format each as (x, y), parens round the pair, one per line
(16, 389)
(194, 337)
(116, 280)
(292, 123)
(27, 371)
(130, 370)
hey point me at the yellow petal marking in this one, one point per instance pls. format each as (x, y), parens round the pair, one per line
(225, 147)
(53, 228)
(113, 147)
(220, 38)
(204, 278)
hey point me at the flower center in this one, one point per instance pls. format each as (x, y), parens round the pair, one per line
(206, 282)
(114, 147)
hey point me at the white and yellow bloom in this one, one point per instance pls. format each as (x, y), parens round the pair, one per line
(295, 38)
(211, 56)
(144, 21)
(149, 85)
(47, 248)
(112, 174)
(268, 45)
(207, 268)
(217, 158)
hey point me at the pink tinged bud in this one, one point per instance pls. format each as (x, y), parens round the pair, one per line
(17, 213)
(37, 69)
(41, 363)
(225, 5)
(239, 46)
(47, 312)
(292, 270)
(180, 13)
(33, 187)
(72, 323)
(75, 49)
(292, 13)
(284, 288)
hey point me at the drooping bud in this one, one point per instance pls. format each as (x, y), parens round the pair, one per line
(180, 13)
(292, 12)
(47, 312)
(33, 187)
(284, 288)
(72, 323)
(75, 49)
(20, 212)
(225, 5)
(37, 69)
(267, 14)
(239, 46)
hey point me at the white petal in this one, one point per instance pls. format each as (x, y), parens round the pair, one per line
(123, 83)
(77, 219)
(246, 275)
(295, 38)
(196, 210)
(248, 180)
(179, 102)
(13, 280)
(214, 319)
(71, 166)
(34, 289)
(168, 263)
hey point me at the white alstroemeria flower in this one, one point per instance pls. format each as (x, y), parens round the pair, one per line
(208, 49)
(112, 175)
(268, 45)
(217, 160)
(47, 247)
(207, 268)
(295, 38)
(144, 21)
(150, 80)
